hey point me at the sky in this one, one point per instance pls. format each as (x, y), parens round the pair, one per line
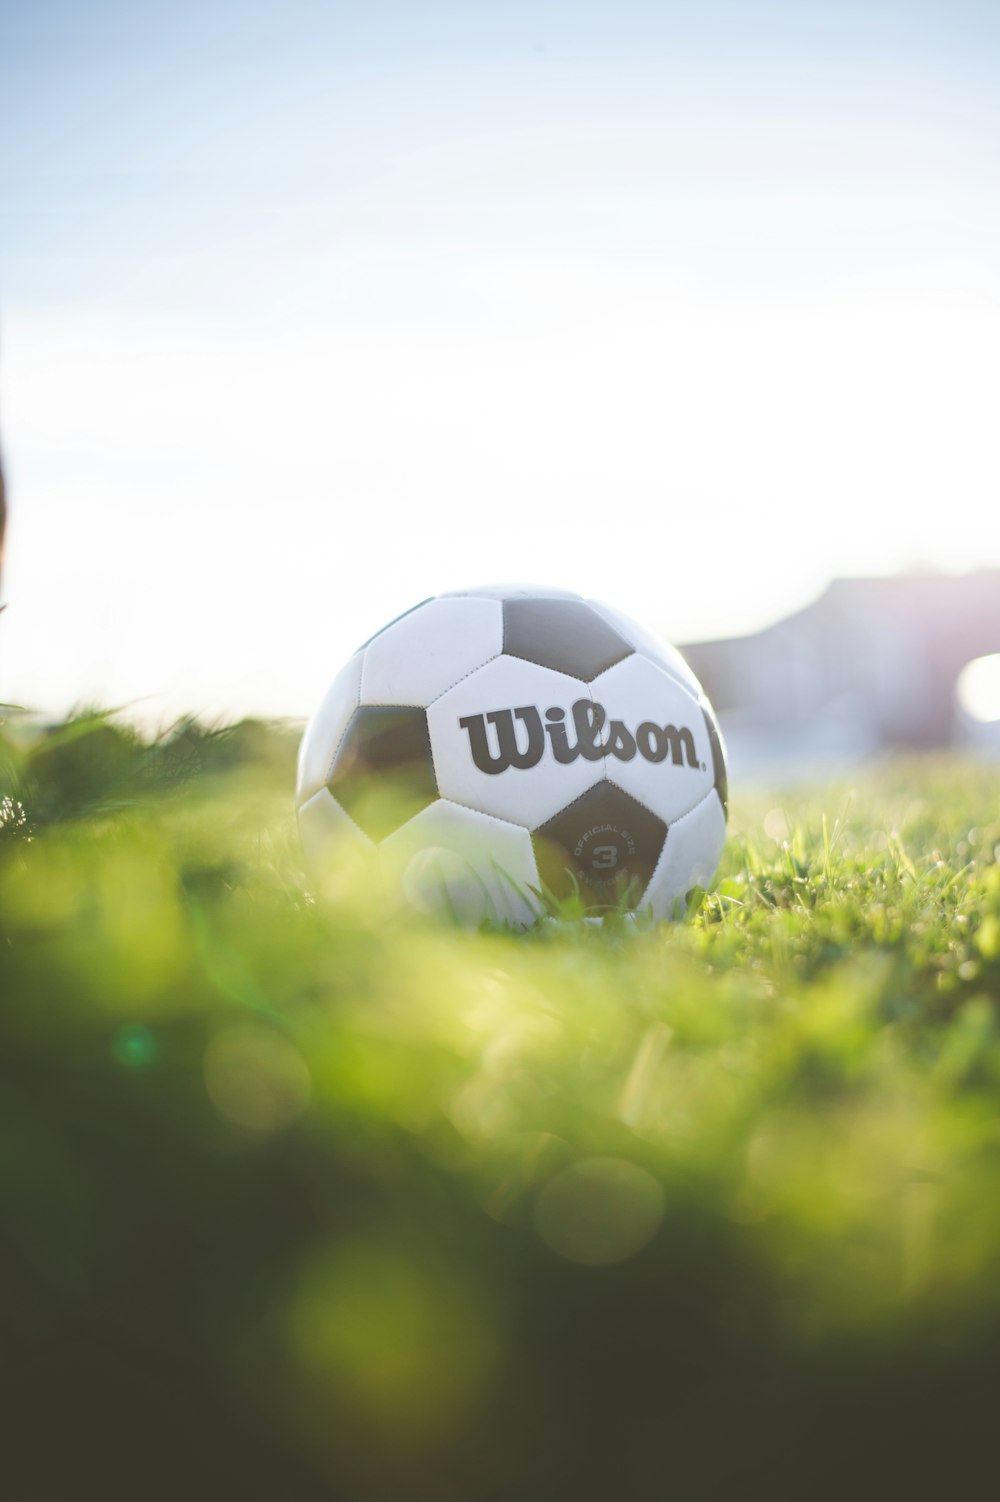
(309, 312)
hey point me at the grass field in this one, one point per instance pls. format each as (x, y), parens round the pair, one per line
(302, 1199)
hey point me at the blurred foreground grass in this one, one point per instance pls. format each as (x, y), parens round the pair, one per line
(303, 1198)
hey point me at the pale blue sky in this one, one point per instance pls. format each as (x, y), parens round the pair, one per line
(306, 314)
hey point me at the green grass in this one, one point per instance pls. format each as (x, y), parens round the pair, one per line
(302, 1198)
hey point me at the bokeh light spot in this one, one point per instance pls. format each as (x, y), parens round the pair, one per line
(776, 824)
(256, 1078)
(134, 1047)
(978, 688)
(437, 882)
(400, 1342)
(599, 1211)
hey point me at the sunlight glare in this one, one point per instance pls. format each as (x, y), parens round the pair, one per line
(979, 688)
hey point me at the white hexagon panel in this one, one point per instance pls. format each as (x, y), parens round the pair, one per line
(515, 740)
(456, 862)
(326, 728)
(690, 858)
(658, 745)
(430, 649)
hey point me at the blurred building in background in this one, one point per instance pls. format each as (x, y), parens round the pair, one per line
(3, 518)
(871, 666)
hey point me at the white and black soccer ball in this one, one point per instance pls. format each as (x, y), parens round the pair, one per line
(494, 744)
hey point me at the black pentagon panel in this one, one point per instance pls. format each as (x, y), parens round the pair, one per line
(605, 844)
(718, 759)
(383, 773)
(565, 635)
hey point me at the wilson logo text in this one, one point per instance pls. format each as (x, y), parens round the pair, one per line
(504, 738)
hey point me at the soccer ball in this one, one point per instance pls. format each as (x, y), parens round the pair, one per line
(502, 749)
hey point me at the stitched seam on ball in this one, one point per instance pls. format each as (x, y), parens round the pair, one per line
(706, 768)
(509, 824)
(340, 742)
(513, 824)
(646, 654)
(341, 809)
(565, 808)
(496, 819)
(672, 825)
(587, 687)
(659, 667)
(469, 674)
(667, 670)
